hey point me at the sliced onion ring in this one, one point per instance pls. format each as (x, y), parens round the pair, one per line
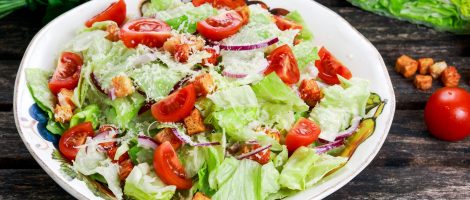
(186, 139)
(326, 147)
(146, 141)
(249, 46)
(348, 132)
(245, 155)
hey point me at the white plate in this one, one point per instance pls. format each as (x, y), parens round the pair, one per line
(330, 30)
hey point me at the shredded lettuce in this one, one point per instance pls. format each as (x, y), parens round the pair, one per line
(339, 105)
(305, 53)
(143, 184)
(91, 161)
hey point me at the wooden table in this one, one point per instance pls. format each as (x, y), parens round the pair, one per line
(411, 164)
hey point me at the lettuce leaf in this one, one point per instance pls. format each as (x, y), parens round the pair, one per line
(339, 105)
(37, 81)
(305, 53)
(305, 34)
(272, 89)
(143, 184)
(156, 80)
(234, 122)
(246, 179)
(91, 161)
(90, 113)
(295, 171)
(235, 97)
(124, 110)
(325, 164)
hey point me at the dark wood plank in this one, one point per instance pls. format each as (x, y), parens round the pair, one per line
(8, 69)
(13, 153)
(29, 184)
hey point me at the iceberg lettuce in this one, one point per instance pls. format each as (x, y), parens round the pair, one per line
(90, 113)
(305, 53)
(245, 179)
(339, 105)
(143, 184)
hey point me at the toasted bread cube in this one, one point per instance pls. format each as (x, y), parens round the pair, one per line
(167, 134)
(274, 134)
(63, 114)
(406, 66)
(437, 68)
(450, 77)
(204, 84)
(424, 64)
(182, 53)
(310, 92)
(123, 86)
(200, 196)
(423, 82)
(125, 168)
(64, 97)
(194, 123)
(113, 32)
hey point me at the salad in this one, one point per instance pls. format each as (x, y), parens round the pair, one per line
(205, 100)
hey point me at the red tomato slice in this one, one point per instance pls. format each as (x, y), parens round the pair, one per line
(115, 12)
(285, 24)
(220, 27)
(232, 4)
(169, 168)
(147, 31)
(175, 107)
(74, 137)
(67, 73)
(283, 62)
(304, 133)
(329, 68)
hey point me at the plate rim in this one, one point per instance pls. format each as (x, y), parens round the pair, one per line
(328, 191)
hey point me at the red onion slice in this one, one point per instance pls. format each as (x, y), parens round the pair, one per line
(348, 132)
(326, 147)
(250, 46)
(245, 155)
(186, 139)
(233, 75)
(147, 142)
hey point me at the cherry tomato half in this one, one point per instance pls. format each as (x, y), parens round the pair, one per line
(304, 133)
(74, 137)
(67, 73)
(220, 27)
(169, 168)
(329, 68)
(283, 62)
(232, 4)
(285, 24)
(175, 107)
(147, 31)
(115, 12)
(447, 114)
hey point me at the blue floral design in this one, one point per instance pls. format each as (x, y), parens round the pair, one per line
(42, 118)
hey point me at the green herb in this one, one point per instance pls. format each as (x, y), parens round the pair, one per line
(452, 16)
(53, 7)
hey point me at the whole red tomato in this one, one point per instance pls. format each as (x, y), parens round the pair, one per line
(447, 114)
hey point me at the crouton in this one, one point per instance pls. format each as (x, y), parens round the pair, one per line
(167, 134)
(182, 53)
(437, 68)
(123, 86)
(423, 82)
(64, 97)
(424, 64)
(113, 32)
(194, 123)
(450, 77)
(310, 92)
(204, 84)
(200, 196)
(406, 66)
(273, 133)
(63, 114)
